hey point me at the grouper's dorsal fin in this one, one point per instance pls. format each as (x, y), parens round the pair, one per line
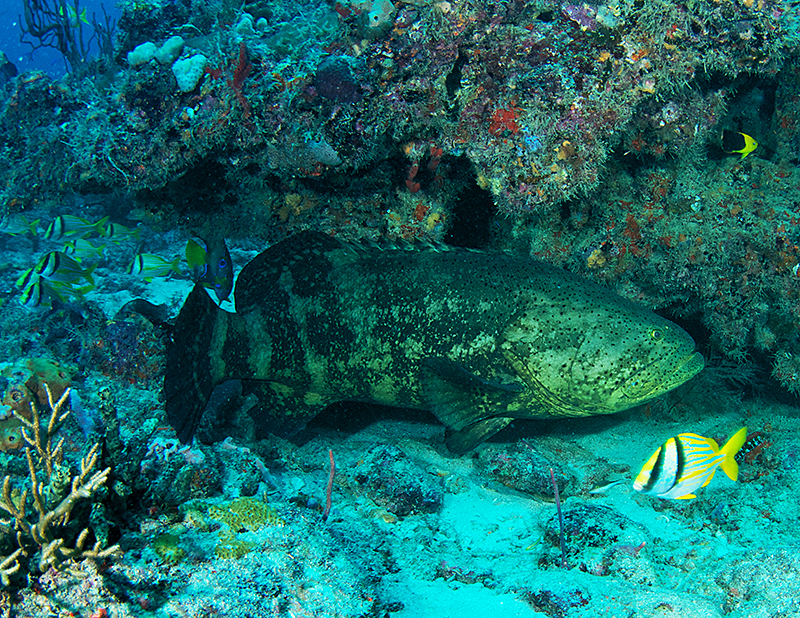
(400, 244)
(303, 254)
(467, 404)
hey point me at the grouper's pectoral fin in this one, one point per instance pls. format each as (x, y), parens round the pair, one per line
(463, 441)
(472, 408)
(280, 410)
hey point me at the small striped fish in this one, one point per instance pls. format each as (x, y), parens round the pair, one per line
(685, 462)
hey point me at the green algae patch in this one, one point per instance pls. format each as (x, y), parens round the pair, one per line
(247, 514)
(167, 548)
(241, 515)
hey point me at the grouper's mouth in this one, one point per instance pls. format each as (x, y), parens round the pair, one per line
(686, 368)
(667, 378)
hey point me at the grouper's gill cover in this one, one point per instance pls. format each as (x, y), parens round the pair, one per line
(477, 338)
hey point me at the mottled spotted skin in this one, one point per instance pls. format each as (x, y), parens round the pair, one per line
(477, 338)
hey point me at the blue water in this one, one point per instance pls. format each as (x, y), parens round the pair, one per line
(44, 59)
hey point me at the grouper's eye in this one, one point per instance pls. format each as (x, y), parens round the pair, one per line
(656, 334)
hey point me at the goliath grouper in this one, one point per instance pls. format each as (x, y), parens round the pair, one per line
(477, 338)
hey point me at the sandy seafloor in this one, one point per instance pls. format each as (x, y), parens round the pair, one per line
(417, 533)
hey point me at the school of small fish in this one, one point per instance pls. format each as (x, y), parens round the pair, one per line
(66, 273)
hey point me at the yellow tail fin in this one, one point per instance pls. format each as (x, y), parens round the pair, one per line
(732, 446)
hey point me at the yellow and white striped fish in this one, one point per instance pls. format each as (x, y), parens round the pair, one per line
(70, 226)
(686, 462)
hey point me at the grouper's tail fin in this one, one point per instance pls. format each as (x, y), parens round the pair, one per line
(189, 379)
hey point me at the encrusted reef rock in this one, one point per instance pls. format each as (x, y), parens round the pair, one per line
(535, 95)
(397, 483)
(596, 538)
(522, 467)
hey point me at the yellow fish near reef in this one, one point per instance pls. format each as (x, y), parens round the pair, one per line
(40, 292)
(73, 17)
(148, 266)
(82, 249)
(15, 225)
(686, 462)
(477, 338)
(734, 142)
(68, 226)
(118, 233)
(58, 266)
